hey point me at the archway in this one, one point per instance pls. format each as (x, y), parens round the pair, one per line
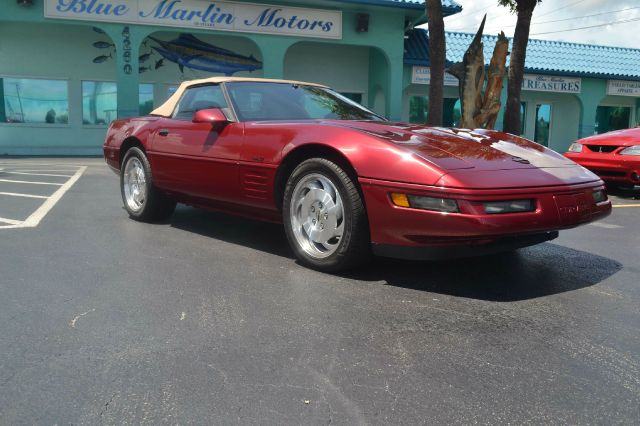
(352, 70)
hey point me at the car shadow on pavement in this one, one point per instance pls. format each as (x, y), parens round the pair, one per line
(263, 236)
(537, 271)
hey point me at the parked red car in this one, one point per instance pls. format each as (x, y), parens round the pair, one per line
(614, 156)
(344, 181)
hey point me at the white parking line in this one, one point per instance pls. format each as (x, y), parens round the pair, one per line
(605, 225)
(10, 162)
(10, 221)
(45, 169)
(26, 181)
(13, 194)
(35, 218)
(38, 174)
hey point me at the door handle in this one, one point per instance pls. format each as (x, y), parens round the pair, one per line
(163, 132)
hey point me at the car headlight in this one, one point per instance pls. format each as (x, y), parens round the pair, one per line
(632, 150)
(425, 203)
(510, 206)
(599, 196)
(575, 147)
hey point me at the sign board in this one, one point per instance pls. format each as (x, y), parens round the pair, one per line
(548, 83)
(422, 75)
(623, 88)
(204, 14)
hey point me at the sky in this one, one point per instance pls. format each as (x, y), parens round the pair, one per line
(568, 14)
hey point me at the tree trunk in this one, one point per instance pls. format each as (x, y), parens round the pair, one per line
(516, 66)
(437, 57)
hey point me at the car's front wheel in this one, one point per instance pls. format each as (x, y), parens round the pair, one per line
(142, 200)
(324, 217)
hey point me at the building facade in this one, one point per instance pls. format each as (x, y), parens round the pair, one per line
(69, 67)
(570, 90)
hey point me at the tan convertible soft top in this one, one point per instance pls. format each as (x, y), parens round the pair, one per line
(167, 108)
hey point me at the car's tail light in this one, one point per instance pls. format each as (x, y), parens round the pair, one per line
(632, 150)
(425, 203)
(509, 206)
(575, 147)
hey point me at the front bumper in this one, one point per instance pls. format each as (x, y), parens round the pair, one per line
(469, 249)
(610, 167)
(557, 207)
(112, 158)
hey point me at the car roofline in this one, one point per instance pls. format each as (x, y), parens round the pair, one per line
(167, 108)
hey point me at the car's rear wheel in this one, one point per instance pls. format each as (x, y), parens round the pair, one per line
(142, 200)
(324, 217)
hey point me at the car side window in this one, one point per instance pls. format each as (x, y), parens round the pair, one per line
(197, 98)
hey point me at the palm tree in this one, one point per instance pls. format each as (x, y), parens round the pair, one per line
(437, 56)
(524, 10)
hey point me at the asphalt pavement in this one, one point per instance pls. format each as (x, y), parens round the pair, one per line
(207, 319)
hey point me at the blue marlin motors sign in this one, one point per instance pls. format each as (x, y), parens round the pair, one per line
(204, 14)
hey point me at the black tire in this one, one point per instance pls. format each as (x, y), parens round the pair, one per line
(354, 247)
(157, 205)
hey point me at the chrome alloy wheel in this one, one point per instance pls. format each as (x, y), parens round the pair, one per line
(135, 184)
(317, 216)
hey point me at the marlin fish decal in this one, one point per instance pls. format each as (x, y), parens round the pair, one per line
(190, 52)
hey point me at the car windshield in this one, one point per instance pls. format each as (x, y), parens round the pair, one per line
(254, 101)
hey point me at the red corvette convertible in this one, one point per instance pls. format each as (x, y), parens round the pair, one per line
(614, 156)
(344, 181)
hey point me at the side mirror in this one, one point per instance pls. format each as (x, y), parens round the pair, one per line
(214, 116)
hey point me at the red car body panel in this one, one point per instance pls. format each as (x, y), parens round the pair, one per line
(234, 169)
(611, 166)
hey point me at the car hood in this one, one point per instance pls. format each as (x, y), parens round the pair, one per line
(453, 149)
(624, 137)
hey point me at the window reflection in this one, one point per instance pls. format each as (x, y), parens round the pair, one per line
(452, 112)
(418, 107)
(543, 124)
(99, 102)
(145, 98)
(609, 118)
(38, 101)
(355, 97)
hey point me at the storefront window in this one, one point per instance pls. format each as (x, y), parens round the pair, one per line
(37, 101)
(355, 97)
(418, 107)
(452, 112)
(609, 118)
(145, 94)
(99, 102)
(543, 124)
(523, 116)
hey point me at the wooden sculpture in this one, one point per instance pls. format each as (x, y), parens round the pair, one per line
(481, 110)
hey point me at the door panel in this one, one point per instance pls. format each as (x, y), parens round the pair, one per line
(196, 160)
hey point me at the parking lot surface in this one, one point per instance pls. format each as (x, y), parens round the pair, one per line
(207, 319)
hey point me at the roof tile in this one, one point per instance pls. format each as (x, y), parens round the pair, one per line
(450, 6)
(543, 56)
